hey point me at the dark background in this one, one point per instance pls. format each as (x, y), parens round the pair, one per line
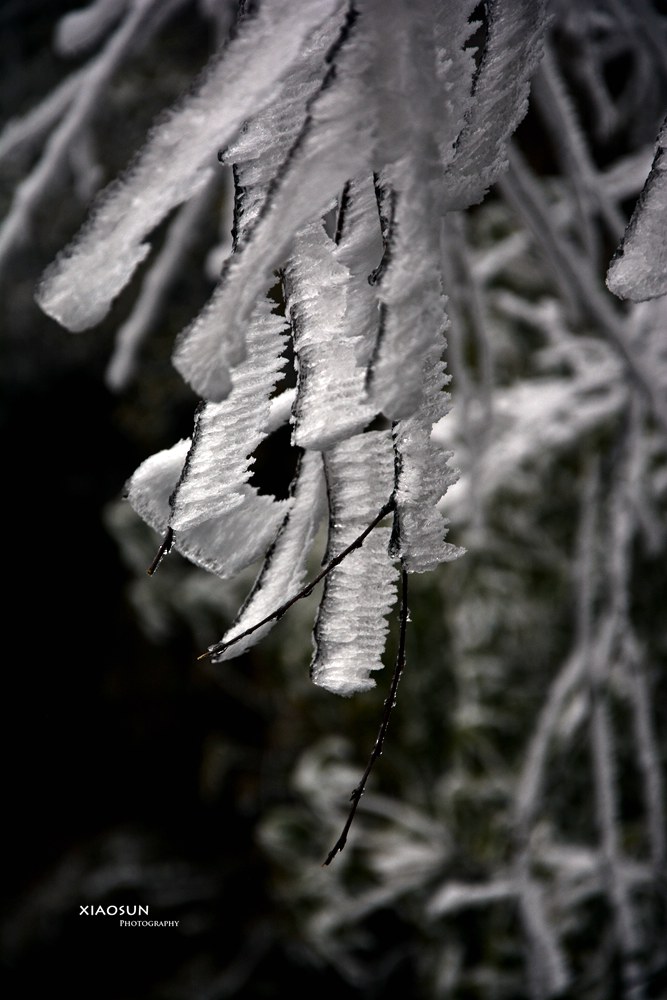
(106, 733)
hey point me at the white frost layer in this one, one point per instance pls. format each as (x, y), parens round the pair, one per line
(424, 475)
(284, 569)
(200, 489)
(359, 249)
(227, 433)
(500, 100)
(262, 148)
(163, 271)
(224, 545)
(638, 270)
(351, 629)
(333, 146)
(211, 343)
(331, 402)
(410, 293)
(81, 284)
(408, 107)
(454, 70)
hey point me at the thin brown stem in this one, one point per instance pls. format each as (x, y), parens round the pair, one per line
(220, 647)
(389, 703)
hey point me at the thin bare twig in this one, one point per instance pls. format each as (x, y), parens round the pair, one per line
(389, 703)
(165, 547)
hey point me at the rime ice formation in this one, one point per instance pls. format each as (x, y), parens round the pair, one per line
(638, 270)
(331, 402)
(350, 630)
(351, 130)
(284, 569)
(174, 164)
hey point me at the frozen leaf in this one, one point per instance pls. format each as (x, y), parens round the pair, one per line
(203, 496)
(500, 98)
(284, 568)
(218, 465)
(638, 270)
(351, 629)
(331, 146)
(331, 402)
(81, 285)
(224, 545)
(258, 155)
(423, 475)
(412, 305)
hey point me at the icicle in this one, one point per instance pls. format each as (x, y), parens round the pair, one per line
(351, 628)
(284, 568)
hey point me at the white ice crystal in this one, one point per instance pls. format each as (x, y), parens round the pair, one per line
(638, 270)
(351, 629)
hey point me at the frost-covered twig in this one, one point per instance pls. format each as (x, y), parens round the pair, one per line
(571, 147)
(26, 131)
(162, 273)
(220, 647)
(577, 280)
(389, 704)
(598, 647)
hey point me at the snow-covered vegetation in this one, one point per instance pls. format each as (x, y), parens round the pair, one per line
(443, 268)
